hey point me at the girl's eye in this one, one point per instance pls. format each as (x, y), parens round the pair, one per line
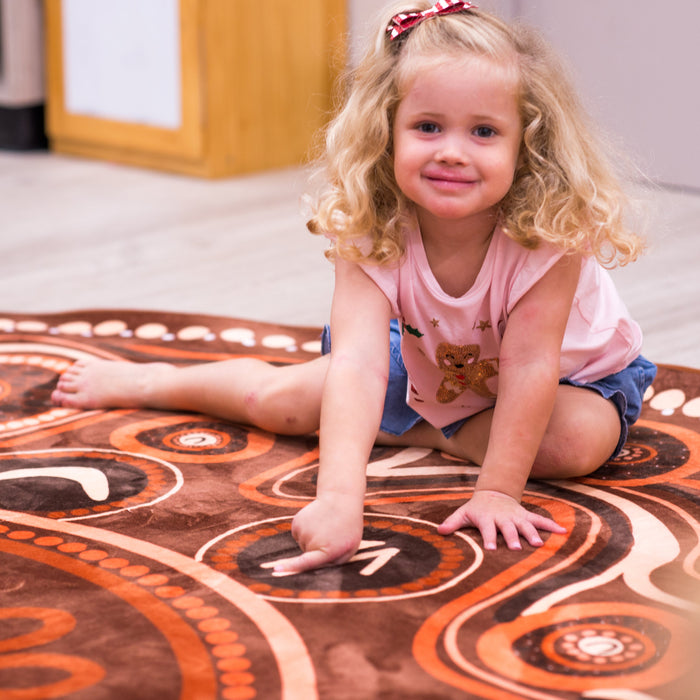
(484, 132)
(428, 128)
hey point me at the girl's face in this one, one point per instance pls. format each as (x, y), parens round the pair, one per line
(457, 134)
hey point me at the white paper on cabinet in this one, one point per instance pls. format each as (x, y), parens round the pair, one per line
(122, 60)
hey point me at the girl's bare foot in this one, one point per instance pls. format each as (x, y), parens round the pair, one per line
(108, 384)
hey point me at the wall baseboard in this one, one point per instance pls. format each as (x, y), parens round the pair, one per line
(22, 128)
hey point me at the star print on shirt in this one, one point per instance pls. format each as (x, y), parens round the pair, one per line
(481, 325)
(435, 322)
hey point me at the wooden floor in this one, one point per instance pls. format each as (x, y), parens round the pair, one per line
(80, 234)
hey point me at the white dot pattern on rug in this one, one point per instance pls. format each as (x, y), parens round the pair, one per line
(277, 342)
(31, 326)
(312, 346)
(75, 328)
(668, 401)
(46, 417)
(238, 335)
(151, 331)
(159, 331)
(193, 333)
(50, 363)
(107, 328)
(692, 408)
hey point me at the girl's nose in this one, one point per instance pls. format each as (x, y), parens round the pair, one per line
(452, 150)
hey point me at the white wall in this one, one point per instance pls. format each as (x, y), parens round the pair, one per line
(635, 64)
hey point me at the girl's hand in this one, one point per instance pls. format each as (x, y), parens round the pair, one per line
(493, 511)
(328, 530)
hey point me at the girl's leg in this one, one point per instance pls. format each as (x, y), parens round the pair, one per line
(582, 434)
(285, 400)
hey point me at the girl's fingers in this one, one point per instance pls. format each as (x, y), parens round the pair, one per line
(542, 523)
(454, 522)
(489, 534)
(531, 535)
(510, 535)
(314, 559)
(512, 527)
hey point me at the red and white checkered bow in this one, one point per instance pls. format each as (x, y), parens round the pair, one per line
(405, 20)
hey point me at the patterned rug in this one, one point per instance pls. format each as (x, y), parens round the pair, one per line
(135, 549)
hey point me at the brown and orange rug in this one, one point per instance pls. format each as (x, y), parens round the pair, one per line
(135, 549)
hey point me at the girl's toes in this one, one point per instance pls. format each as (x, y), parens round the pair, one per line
(65, 400)
(66, 384)
(58, 398)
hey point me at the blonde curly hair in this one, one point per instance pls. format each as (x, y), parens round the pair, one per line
(565, 190)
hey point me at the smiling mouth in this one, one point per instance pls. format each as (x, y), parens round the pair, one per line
(449, 181)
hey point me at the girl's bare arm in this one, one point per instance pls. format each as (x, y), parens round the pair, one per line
(329, 529)
(527, 387)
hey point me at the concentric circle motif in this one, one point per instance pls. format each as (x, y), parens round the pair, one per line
(73, 484)
(195, 438)
(597, 646)
(192, 439)
(591, 645)
(650, 453)
(199, 639)
(398, 558)
(634, 453)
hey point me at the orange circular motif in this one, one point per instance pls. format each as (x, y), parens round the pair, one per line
(398, 558)
(589, 645)
(654, 453)
(196, 439)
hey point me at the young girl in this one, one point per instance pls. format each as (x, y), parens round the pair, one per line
(466, 198)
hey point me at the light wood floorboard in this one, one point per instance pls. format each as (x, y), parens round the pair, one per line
(80, 234)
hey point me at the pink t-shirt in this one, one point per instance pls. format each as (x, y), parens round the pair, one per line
(451, 345)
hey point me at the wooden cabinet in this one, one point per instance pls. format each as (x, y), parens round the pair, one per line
(252, 81)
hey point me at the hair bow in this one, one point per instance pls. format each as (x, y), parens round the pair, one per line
(405, 20)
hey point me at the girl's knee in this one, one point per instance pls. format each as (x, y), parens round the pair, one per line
(562, 461)
(281, 405)
(582, 434)
(577, 450)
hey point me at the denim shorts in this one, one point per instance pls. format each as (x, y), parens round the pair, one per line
(625, 389)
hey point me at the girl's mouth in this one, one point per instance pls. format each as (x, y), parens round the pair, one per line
(449, 180)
